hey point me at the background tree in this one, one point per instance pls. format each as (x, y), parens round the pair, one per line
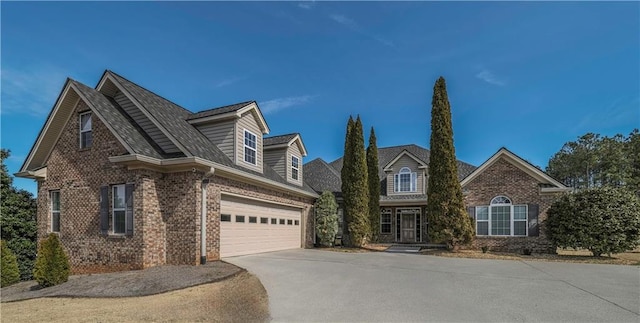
(374, 186)
(326, 218)
(448, 219)
(355, 189)
(596, 161)
(17, 220)
(602, 220)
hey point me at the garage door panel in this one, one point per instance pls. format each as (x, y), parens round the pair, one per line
(242, 238)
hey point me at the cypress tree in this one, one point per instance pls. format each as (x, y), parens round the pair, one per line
(374, 186)
(358, 207)
(345, 178)
(448, 219)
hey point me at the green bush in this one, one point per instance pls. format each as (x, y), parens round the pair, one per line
(326, 218)
(9, 266)
(602, 220)
(52, 264)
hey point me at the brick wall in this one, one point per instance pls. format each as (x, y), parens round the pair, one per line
(503, 178)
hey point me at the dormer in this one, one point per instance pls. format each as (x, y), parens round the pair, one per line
(406, 175)
(284, 154)
(237, 130)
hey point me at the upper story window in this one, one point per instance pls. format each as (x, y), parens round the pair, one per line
(86, 136)
(501, 218)
(250, 147)
(405, 180)
(295, 164)
(55, 211)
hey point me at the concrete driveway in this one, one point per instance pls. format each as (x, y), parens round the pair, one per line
(325, 286)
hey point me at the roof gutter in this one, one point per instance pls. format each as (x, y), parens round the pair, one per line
(173, 165)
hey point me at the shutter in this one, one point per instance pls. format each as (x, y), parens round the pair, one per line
(414, 178)
(128, 195)
(533, 220)
(395, 183)
(471, 210)
(104, 209)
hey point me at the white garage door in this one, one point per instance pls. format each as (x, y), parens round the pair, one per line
(248, 227)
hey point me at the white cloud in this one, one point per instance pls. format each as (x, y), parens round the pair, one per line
(307, 5)
(488, 76)
(229, 81)
(354, 26)
(32, 90)
(275, 105)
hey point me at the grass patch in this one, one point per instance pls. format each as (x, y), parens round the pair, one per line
(577, 256)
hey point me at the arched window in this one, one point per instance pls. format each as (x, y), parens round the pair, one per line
(405, 180)
(501, 218)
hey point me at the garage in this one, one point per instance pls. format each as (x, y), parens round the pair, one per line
(250, 226)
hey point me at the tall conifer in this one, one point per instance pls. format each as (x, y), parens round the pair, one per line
(374, 186)
(448, 220)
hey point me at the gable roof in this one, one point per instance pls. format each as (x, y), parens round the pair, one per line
(166, 116)
(230, 111)
(422, 163)
(387, 154)
(527, 167)
(284, 141)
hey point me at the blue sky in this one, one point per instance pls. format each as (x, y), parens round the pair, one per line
(526, 75)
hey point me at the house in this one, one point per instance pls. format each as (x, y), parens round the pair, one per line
(507, 197)
(130, 180)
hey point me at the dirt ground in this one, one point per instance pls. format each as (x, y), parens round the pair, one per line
(241, 298)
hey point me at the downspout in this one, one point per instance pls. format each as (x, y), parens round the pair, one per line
(203, 218)
(203, 223)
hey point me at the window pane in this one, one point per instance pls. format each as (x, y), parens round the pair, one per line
(85, 122)
(118, 222)
(118, 197)
(249, 139)
(500, 220)
(239, 218)
(264, 220)
(281, 221)
(482, 213)
(55, 201)
(253, 219)
(290, 222)
(296, 222)
(294, 173)
(249, 155)
(225, 217)
(86, 139)
(482, 228)
(520, 212)
(294, 161)
(519, 228)
(55, 222)
(405, 182)
(386, 228)
(274, 221)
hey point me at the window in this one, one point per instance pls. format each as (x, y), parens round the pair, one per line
(296, 222)
(55, 211)
(250, 148)
(340, 221)
(385, 221)
(264, 220)
(253, 219)
(295, 162)
(281, 221)
(405, 180)
(240, 218)
(274, 221)
(290, 222)
(86, 137)
(501, 218)
(119, 209)
(225, 217)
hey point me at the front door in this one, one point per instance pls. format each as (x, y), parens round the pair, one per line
(408, 228)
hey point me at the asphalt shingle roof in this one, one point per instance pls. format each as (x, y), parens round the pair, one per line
(219, 110)
(278, 140)
(321, 178)
(130, 132)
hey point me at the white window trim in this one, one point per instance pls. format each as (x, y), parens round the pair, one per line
(244, 144)
(413, 181)
(83, 131)
(114, 209)
(54, 211)
(296, 168)
(500, 200)
(389, 213)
